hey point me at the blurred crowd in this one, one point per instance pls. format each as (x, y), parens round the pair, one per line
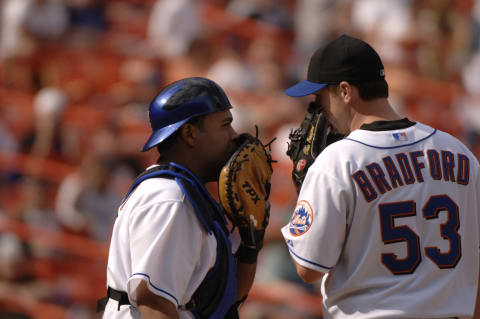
(76, 79)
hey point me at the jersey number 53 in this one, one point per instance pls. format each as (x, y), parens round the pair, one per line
(394, 234)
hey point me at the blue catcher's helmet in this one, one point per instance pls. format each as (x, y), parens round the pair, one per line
(179, 102)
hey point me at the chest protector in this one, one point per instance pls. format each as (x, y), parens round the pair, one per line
(215, 297)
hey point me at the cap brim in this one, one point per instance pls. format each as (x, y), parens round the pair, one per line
(304, 88)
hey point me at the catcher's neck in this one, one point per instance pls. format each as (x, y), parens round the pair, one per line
(187, 162)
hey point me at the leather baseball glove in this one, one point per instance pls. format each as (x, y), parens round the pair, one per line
(244, 188)
(308, 141)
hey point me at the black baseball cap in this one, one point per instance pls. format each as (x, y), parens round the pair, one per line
(344, 59)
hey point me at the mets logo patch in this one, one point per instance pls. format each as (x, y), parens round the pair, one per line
(302, 218)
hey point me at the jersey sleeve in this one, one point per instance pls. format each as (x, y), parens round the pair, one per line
(316, 232)
(165, 243)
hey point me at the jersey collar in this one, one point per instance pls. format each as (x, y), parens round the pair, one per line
(387, 125)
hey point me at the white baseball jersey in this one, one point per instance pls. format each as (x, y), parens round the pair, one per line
(392, 218)
(158, 238)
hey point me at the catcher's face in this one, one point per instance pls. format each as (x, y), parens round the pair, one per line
(215, 144)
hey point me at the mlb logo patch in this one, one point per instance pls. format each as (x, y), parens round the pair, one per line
(400, 136)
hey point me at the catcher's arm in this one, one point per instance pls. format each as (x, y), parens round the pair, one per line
(151, 305)
(308, 141)
(245, 277)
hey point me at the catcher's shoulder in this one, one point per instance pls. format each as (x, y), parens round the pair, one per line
(156, 190)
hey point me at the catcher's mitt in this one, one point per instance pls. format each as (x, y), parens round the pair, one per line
(309, 140)
(244, 187)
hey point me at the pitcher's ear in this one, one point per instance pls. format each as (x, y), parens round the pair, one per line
(346, 91)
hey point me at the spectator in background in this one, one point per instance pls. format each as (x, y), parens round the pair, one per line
(8, 142)
(87, 199)
(271, 12)
(12, 17)
(475, 35)
(47, 19)
(34, 209)
(385, 24)
(440, 35)
(13, 258)
(388, 25)
(23, 22)
(195, 61)
(44, 139)
(145, 76)
(230, 68)
(16, 251)
(313, 22)
(172, 27)
(469, 104)
(87, 14)
(8, 150)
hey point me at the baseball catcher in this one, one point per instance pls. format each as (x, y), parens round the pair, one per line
(244, 188)
(308, 141)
